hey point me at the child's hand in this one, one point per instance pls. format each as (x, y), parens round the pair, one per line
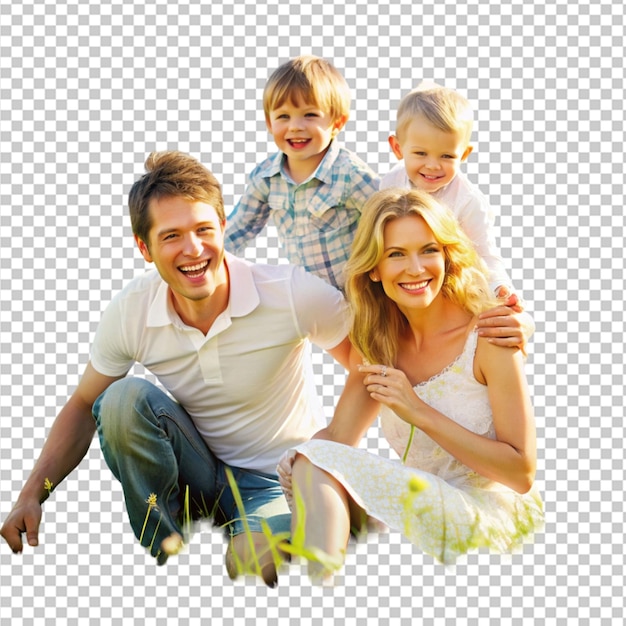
(507, 324)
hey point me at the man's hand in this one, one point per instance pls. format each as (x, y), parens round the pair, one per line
(507, 324)
(24, 518)
(66, 445)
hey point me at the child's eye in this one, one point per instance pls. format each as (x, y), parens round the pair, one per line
(311, 115)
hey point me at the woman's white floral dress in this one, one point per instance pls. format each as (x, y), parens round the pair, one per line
(441, 505)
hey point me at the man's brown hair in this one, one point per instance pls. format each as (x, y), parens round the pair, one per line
(171, 174)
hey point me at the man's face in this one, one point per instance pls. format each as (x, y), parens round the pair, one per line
(186, 244)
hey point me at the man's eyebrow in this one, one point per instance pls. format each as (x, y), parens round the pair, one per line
(166, 231)
(175, 229)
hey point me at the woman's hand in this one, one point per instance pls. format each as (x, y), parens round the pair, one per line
(392, 388)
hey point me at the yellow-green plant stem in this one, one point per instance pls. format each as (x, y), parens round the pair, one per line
(151, 501)
(244, 521)
(408, 445)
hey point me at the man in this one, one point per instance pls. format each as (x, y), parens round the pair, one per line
(228, 340)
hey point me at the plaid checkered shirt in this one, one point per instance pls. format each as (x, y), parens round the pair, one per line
(315, 220)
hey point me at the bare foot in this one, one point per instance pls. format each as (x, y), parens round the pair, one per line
(240, 561)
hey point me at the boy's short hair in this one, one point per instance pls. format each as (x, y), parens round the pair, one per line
(311, 79)
(444, 108)
(171, 174)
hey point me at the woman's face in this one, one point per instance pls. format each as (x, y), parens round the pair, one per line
(412, 268)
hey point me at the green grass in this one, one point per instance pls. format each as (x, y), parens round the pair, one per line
(278, 544)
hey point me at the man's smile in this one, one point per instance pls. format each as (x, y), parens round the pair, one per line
(195, 270)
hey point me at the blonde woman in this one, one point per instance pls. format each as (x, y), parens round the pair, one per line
(454, 405)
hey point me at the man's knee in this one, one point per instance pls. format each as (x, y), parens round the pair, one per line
(122, 400)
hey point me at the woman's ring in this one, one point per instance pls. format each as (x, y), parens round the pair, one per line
(383, 371)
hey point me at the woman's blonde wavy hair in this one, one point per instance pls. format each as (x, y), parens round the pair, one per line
(377, 322)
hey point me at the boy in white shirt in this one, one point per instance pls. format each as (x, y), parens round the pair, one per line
(433, 131)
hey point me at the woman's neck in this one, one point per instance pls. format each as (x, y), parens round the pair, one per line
(431, 342)
(440, 317)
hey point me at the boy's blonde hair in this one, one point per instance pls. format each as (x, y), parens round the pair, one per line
(311, 80)
(444, 108)
(377, 322)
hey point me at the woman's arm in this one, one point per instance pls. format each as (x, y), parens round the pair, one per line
(355, 410)
(510, 459)
(354, 414)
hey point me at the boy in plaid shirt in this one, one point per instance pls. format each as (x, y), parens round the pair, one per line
(313, 187)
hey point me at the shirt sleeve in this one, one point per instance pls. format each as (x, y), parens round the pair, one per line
(477, 220)
(362, 183)
(249, 216)
(320, 310)
(110, 354)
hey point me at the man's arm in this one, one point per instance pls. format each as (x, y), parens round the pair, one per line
(66, 445)
(507, 325)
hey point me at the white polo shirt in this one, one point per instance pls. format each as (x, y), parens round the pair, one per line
(248, 384)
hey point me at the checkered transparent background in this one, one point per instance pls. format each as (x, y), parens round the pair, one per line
(89, 88)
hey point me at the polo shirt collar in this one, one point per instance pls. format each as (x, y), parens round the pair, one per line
(161, 307)
(243, 296)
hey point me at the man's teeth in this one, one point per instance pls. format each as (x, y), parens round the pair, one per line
(194, 268)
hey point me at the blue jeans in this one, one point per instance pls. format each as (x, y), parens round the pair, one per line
(153, 448)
